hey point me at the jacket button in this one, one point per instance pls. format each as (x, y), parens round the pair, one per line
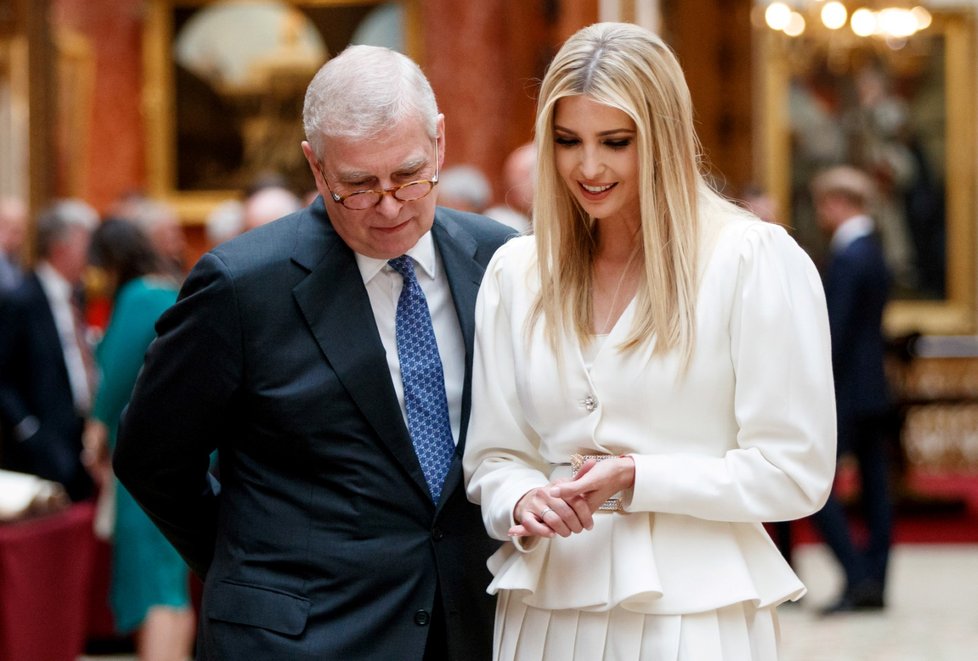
(437, 533)
(421, 618)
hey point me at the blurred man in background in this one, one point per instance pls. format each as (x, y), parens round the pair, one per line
(857, 285)
(519, 174)
(47, 373)
(465, 188)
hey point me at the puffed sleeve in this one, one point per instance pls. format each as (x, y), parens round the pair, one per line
(502, 460)
(782, 463)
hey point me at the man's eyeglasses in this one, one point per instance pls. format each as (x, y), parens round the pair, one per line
(362, 200)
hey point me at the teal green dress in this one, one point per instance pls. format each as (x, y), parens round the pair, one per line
(146, 570)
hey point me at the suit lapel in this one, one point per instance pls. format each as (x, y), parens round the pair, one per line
(457, 249)
(334, 302)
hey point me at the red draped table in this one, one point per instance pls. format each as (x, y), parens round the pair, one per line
(48, 569)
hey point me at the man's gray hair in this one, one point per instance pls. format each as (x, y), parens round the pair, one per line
(846, 180)
(148, 214)
(364, 90)
(467, 183)
(55, 223)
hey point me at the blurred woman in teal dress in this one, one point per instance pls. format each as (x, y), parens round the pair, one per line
(149, 593)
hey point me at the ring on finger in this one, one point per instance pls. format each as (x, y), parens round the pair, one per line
(545, 512)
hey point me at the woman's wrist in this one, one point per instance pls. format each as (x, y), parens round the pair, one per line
(517, 508)
(626, 472)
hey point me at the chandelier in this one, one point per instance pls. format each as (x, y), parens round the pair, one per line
(891, 22)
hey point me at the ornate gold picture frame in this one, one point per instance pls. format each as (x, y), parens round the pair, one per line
(225, 81)
(905, 114)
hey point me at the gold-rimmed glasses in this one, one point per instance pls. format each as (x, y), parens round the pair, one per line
(362, 200)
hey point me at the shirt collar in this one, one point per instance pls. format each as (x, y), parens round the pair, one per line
(423, 254)
(850, 230)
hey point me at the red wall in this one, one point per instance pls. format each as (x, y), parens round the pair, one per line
(483, 58)
(116, 160)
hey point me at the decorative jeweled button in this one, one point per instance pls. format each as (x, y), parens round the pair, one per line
(590, 403)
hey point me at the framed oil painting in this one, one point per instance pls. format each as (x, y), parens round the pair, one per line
(225, 81)
(904, 113)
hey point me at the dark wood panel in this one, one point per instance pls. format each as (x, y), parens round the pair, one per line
(712, 39)
(9, 16)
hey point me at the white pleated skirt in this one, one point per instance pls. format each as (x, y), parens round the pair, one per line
(734, 633)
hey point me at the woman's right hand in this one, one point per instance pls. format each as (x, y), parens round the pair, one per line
(596, 481)
(538, 514)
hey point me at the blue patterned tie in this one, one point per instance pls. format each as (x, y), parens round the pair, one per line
(423, 378)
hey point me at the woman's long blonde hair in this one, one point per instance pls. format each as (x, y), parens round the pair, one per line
(631, 69)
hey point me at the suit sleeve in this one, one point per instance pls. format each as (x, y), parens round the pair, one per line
(179, 410)
(502, 459)
(842, 290)
(12, 330)
(784, 461)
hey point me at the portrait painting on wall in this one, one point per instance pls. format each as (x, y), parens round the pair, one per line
(234, 74)
(881, 109)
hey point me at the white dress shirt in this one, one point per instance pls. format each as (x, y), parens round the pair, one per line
(384, 286)
(854, 228)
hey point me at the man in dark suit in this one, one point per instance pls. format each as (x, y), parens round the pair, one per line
(857, 283)
(46, 371)
(327, 537)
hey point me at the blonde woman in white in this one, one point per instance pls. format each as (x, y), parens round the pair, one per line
(673, 349)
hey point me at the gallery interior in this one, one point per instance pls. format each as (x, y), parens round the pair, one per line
(190, 102)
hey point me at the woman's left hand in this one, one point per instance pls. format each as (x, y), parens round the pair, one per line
(539, 514)
(597, 481)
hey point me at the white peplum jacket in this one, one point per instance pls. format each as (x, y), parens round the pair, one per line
(745, 436)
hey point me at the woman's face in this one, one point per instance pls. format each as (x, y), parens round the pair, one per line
(597, 157)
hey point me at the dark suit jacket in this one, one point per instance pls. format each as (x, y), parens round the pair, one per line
(857, 284)
(34, 382)
(323, 542)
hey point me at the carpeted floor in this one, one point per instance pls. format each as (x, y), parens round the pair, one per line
(929, 509)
